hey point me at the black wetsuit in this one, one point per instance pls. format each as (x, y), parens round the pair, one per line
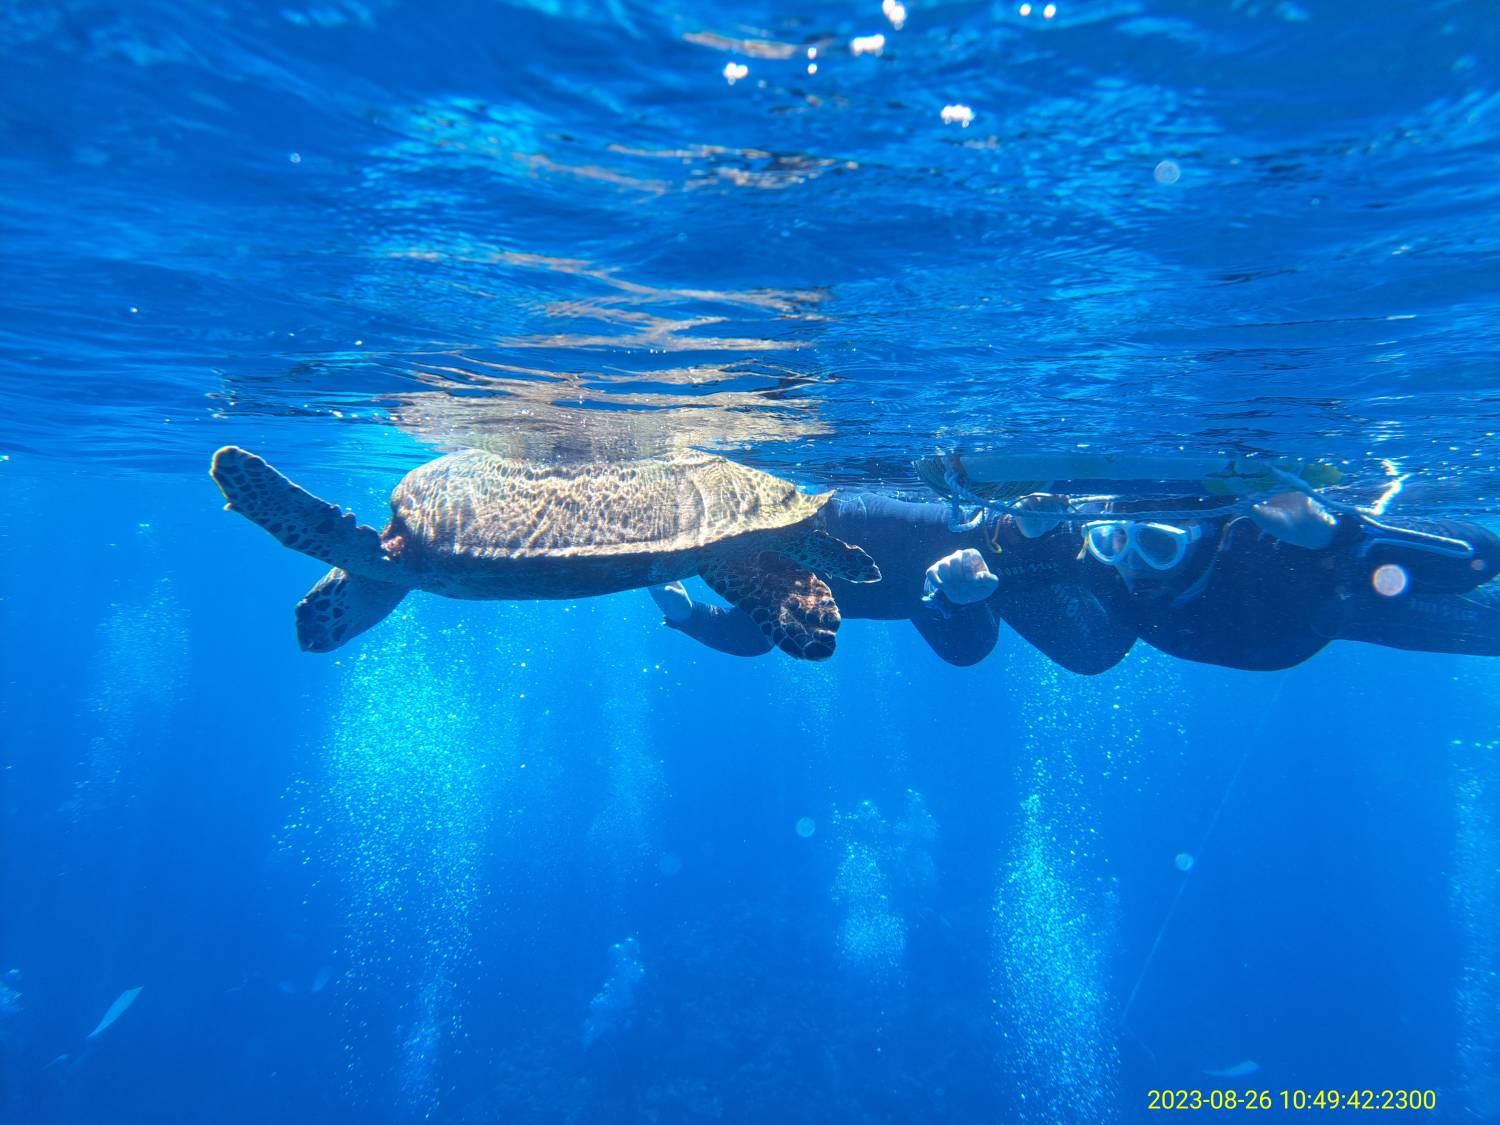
(1249, 600)
(1046, 594)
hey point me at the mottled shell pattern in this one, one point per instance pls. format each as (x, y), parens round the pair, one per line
(475, 505)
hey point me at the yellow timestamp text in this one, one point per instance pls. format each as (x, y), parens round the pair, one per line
(1409, 1100)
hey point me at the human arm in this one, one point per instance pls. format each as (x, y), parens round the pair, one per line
(730, 631)
(955, 620)
(1462, 624)
(1295, 518)
(1078, 625)
(1433, 556)
(965, 636)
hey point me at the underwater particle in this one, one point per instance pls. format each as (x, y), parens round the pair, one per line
(1024, 9)
(1167, 172)
(871, 935)
(295, 158)
(669, 864)
(959, 114)
(10, 995)
(867, 44)
(1049, 11)
(1050, 955)
(420, 1043)
(612, 1010)
(734, 71)
(812, 68)
(894, 11)
(872, 941)
(142, 654)
(1389, 580)
(1184, 861)
(806, 827)
(1473, 887)
(399, 725)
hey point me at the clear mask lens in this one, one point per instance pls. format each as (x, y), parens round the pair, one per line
(1108, 542)
(1160, 546)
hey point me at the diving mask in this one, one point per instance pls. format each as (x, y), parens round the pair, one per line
(1161, 546)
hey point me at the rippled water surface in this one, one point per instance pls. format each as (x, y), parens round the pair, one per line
(1205, 226)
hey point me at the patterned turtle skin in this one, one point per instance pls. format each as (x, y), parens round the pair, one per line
(479, 525)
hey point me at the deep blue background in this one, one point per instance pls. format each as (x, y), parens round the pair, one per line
(384, 885)
(194, 806)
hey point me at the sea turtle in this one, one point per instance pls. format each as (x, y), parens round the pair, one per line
(479, 525)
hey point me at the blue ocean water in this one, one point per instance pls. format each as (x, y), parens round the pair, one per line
(538, 862)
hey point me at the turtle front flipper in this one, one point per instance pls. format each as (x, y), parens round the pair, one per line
(296, 517)
(832, 557)
(792, 607)
(341, 607)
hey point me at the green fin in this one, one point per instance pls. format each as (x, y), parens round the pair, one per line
(793, 608)
(296, 517)
(832, 558)
(1254, 478)
(341, 607)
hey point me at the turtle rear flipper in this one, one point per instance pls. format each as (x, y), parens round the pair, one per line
(296, 517)
(831, 557)
(341, 607)
(792, 607)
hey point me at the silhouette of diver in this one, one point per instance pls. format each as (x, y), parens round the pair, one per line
(1268, 588)
(955, 587)
(1262, 589)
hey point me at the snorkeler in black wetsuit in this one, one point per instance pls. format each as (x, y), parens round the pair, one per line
(1266, 590)
(955, 587)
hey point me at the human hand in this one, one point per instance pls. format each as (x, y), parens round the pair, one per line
(1295, 518)
(963, 577)
(1035, 523)
(673, 601)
